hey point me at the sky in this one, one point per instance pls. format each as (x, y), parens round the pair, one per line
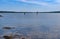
(29, 5)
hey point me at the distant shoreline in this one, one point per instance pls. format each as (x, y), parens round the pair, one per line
(28, 12)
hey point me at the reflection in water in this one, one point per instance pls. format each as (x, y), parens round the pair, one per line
(41, 26)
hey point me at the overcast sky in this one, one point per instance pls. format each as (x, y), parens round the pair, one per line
(30, 5)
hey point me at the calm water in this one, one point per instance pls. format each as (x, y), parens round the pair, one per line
(31, 23)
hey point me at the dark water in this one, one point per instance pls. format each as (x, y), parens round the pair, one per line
(43, 24)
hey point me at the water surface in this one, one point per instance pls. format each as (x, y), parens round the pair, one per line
(31, 23)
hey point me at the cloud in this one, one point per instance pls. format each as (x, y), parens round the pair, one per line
(49, 5)
(58, 1)
(39, 2)
(42, 2)
(34, 2)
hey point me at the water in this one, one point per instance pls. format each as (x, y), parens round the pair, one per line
(41, 25)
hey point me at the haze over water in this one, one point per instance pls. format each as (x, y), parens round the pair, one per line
(31, 22)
